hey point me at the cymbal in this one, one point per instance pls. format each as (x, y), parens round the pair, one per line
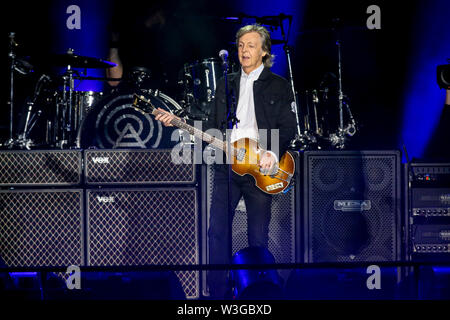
(75, 61)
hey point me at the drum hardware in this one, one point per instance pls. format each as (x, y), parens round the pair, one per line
(113, 123)
(32, 116)
(199, 82)
(15, 65)
(179, 112)
(72, 106)
(339, 138)
(138, 76)
(314, 135)
(65, 105)
(302, 137)
(76, 61)
(57, 113)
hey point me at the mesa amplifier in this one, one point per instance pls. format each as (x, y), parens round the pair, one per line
(429, 174)
(431, 238)
(433, 202)
(139, 227)
(138, 167)
(40, 168)
(352, 206)
(42, 227)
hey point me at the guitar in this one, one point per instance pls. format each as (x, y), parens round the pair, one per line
(245, 154)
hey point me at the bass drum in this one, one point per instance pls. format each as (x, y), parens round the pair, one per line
(114, 123)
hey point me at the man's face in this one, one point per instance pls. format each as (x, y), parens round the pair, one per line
(250, 51)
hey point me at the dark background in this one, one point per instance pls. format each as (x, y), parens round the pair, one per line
(376, 63)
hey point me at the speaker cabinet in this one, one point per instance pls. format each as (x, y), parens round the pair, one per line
(138, 227)
(352, 206)
(41, 227)
(40, 168)
(138, 167)
(282, 228)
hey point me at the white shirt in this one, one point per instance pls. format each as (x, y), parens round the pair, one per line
(247, 126)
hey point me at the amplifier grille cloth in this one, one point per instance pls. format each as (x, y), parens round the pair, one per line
(41, 228)
(128, 166)
(145, 227)
(40, 167)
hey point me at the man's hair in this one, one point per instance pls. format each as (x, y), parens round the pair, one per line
(266, 41)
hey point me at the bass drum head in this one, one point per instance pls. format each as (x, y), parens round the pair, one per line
(114, 123)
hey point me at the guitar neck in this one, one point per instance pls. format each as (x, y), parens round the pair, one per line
(219, 143)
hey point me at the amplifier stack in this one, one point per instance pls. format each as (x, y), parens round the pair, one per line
(134, 207)
(429, 211)
(99, 208)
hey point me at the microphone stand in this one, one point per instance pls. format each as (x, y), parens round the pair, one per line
(231, 121)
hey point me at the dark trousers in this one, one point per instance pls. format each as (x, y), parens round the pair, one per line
(257, 205)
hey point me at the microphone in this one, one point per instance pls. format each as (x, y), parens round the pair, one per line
(223, 54)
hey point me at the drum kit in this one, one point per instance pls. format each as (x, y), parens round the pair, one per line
(59, 116)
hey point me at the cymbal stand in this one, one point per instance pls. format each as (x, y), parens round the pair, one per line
(12, 65)
(65, 109)
(301, 140)
(338, 139)
(32, 116)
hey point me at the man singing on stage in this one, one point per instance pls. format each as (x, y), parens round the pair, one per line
(264, 101)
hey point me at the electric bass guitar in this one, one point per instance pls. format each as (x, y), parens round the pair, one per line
(244, 153)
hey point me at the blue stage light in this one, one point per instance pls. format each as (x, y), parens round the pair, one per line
(424, 99)
(82, 26)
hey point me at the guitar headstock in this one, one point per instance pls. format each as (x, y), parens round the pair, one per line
(143, 103)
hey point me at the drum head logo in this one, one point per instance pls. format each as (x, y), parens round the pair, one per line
(118, 124)
(126, 127)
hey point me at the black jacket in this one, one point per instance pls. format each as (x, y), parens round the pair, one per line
(273, 106)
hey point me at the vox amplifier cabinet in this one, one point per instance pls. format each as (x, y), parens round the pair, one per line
(148, 226)
(29, 168)
(42, 227)
(138, 167)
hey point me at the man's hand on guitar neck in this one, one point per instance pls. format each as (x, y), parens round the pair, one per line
(166, 117)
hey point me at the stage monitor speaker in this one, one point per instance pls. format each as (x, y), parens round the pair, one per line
(41, 227)
(352, 206)
(139, 227)
(137, 167)
(40, 168)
